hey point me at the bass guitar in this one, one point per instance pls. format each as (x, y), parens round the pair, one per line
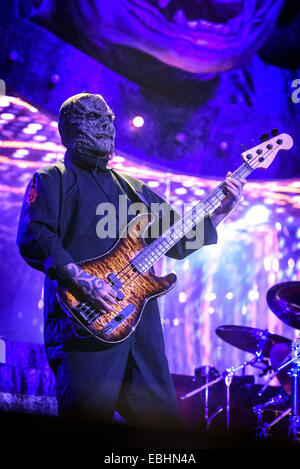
(126, 267)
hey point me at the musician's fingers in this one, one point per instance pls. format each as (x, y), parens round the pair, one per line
(113, 293)
(239, 180)
(110, 291)
(232, 188)
(232, 184)
(238, 183)
(105, 305)
(111, 299)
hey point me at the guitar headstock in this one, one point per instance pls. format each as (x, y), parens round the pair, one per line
(263, 154)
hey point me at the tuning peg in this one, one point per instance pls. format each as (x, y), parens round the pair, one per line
(274, 132)
(244, 147)
(264, 137)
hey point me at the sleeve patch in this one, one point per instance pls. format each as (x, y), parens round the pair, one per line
(32, 193)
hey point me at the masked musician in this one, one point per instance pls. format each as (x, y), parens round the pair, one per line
(57, 231)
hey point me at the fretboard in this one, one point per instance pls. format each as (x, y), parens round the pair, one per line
(154, 251)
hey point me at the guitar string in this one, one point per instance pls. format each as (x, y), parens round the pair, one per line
(244, 170)
(243, 173)
(128, 268)
(158, 240)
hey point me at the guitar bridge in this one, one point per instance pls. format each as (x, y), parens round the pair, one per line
(87, 313)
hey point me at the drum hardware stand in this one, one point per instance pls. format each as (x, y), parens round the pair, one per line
(204, 372)
(227, 376)
(294, 428)
(228, 381)
(208, 420)
(294, 357)
(263, 428)
(283, 365)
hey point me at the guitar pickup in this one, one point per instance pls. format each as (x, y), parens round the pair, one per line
(114, 280)
(116, 285)
(120, 295)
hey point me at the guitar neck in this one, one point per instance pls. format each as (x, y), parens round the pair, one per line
(146, 258)
(260, 156)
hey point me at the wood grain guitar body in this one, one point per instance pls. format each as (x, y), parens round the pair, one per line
(133, 288)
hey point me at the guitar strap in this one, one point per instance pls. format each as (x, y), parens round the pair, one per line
(134, 189)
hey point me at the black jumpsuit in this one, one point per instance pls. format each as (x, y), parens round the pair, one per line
(57, 227)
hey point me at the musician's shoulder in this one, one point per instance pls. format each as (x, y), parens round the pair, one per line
(53, 168)
(136, 183)
(50, 174)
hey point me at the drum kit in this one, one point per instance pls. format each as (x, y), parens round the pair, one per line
(272, 353)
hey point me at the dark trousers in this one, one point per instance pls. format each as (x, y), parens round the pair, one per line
(132, 378)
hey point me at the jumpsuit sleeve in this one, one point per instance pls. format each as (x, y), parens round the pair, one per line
(180, 249)
(38, 232)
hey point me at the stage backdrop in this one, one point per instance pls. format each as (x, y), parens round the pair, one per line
(222, 284)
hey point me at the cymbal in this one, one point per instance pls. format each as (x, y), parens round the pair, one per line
(284, 300)
(248, 338)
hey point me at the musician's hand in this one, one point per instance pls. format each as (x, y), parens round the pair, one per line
(234, 189)
(101, 293)
(93, 288)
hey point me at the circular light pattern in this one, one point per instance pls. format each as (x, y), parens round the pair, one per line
(4, 101)
(182, 297)
(229, 295)
(291, 263)
(180, 191)
(13, 55)
(7, 116)
(199, 192)
(118, 159)
(153, 184)
(223, 146)
(210, 296)
(253, 295)
(40, 138)
(138, 121)
(29, 131)
(20, 153)
(52, 156)
(35, 126)
(269, 201)
(188, 183)
(180, 137)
